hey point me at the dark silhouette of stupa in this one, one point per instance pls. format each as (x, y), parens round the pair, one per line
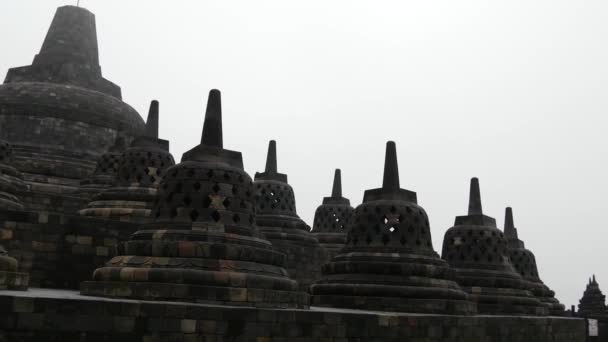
(388, 262)
(203, 246)
(525, 264)
(277, 219)
(141, 168)
(477, 250)
(593, 303)
(60, 114)
(332, 218)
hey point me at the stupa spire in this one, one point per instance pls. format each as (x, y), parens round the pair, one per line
(152, 122)
(391, 169)
(475, 198)
(510, 230)
(337, 188)
(212, 128)
(271, 158)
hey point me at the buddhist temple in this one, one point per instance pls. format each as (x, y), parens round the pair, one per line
(477, 251)
(204, 245)
(332, 218)
(593, 303)
(60, 114)
(388, 262)
(141, 168)
(525, 264)
(277, 219)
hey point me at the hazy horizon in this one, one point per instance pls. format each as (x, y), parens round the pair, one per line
(511, 92)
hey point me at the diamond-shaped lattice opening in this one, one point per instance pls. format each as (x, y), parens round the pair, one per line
(236, 218)
(392, 229)
(190, 173)
(197, 186)
(368, 239)
(403, 240)
(385, 239)
(194, 215)
(226, 203)
(227, 176)
(210, 174)
(173, 212)
(216, 188)
(187, 200)
(216, 216)
(385, 220)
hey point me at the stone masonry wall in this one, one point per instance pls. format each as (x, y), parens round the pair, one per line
(70, 317)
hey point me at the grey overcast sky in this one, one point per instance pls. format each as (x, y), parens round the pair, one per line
(513, 92)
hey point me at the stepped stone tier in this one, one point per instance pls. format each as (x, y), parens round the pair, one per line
(11, 180)
(277, 219)
(60, 114)
(140, 171)
(204, 245)
(10, 278)
(593, 303)
(388, 262)
(332, 218)
(525, 264)
(105, 173)
(477, 250)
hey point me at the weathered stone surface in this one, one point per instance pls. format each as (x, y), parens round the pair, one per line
(277, 219)
(60, 114)
(141, 169)
(203, 245)
(50, 316)
(593, 302)
(11, 180)
(332, 218)
(525, 264)
(477, 251)
(388, 262)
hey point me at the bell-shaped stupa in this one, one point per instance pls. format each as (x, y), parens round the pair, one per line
(332, 218)
(388, 262)
(60, 114)
(477, 250)
(204, 245)
(105, 172)
(140, 171)
(277, 219)
(593, 303)
(525, 264)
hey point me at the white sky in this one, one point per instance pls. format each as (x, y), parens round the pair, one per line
(513, 92)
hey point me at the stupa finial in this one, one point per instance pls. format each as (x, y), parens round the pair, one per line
(510, 230)
(391, 169)
(337, 188)
(271, 158)
(475, 198)
(152, 121)
(212, 128)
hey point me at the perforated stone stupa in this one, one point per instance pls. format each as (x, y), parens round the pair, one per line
(593, 303)
(204, 245)
(278, 220)
(388, 262)
(105, 173)
(60, 114)
(332, 218)
(477, 250)
(140, 171)
(525, 264)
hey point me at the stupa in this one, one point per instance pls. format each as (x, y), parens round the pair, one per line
(60, 114)
(477, 250)
(277, 219)
(388, 262)
(593, 303)
(105, 173)
(140, 171)
(204, 245)
(525, 264)
(332, 218)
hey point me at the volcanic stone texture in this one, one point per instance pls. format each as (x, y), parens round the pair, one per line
(60, 114)
(477, 250)
(593, 302)
(64, 316)
(332, 219)
(525, 264)
(277, 218)
(389, 263)
(203, 245)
